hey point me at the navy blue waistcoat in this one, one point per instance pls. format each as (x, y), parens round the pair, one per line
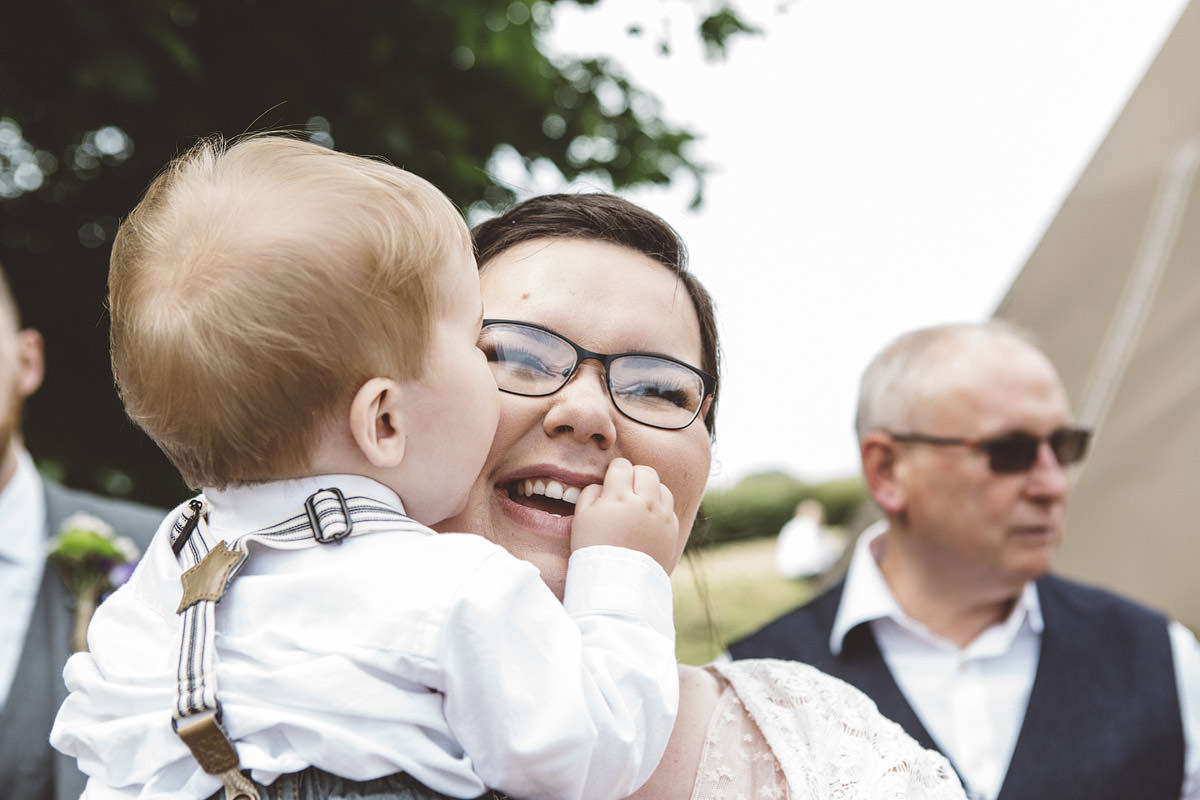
(1103, 719)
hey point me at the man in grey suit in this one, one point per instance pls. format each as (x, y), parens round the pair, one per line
(35, 627)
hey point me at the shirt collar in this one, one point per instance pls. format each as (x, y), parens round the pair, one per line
(867, 597)
(1027, 609)
(23, 514)
(242, 509)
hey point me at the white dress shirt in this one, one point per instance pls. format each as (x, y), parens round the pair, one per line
(972, 700)
(22, 562)
(439, 655)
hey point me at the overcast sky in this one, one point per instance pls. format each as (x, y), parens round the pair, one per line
(877, 166)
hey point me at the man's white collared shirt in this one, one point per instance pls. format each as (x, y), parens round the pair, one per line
(22, 562)
(972, 700)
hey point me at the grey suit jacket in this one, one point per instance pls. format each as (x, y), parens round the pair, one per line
(29, 767)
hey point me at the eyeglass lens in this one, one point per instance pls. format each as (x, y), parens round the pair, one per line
(1018, 451)
(533, 362)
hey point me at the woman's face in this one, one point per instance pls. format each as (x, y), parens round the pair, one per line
(609, 299)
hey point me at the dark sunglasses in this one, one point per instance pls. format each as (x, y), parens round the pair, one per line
(1014, 452)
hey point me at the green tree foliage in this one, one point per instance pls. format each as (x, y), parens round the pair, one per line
(760, 504)
(95, 97)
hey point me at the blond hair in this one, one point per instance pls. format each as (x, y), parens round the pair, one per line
(257, 285)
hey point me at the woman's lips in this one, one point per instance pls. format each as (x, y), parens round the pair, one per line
(521, 512)
(544, 503)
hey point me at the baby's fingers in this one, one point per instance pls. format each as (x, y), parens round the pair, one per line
(647, 486)
(665, 498)
(588, 495)
(620, 477)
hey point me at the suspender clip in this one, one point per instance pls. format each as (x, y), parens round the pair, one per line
(210, 746)
(204, 736)
(334, 530)
(189, 525)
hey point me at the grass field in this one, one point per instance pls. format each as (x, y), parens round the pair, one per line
(724, 591)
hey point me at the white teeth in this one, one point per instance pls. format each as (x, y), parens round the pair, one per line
(553, 489)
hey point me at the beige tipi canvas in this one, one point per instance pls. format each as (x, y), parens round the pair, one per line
(1113, 293)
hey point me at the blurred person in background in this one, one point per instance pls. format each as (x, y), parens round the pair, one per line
(40, 610)
(805, 547)
(949, 617)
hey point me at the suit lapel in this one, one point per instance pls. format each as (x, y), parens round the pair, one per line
(866, 669)
(69, 782)
(25, 757)
(861, 663)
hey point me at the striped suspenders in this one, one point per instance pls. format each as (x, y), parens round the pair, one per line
(209, 568)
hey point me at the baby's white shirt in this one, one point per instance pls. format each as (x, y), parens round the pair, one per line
(439, 655)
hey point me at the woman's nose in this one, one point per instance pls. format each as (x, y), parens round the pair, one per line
(583, 409)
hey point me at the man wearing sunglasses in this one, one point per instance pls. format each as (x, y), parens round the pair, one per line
(949, 617)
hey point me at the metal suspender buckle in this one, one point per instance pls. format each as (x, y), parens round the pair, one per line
(326, 533)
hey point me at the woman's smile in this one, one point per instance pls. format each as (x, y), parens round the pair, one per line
(542, 497)
(547, 494)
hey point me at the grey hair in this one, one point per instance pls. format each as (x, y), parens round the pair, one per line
(895, 379)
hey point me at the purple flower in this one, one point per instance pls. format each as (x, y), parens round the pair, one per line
(120, 573)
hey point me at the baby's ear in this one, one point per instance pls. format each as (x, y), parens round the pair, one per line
(377, 421)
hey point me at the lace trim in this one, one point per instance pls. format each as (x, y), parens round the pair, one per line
(829, 738)
(736, 761)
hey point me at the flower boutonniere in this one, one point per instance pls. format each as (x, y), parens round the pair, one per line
(93, 561)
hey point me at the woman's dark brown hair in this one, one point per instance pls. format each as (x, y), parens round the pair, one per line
(607, 218)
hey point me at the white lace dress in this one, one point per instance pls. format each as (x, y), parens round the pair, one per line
(827, 739)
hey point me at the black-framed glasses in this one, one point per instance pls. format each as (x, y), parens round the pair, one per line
(649, 388)
(1014, 452)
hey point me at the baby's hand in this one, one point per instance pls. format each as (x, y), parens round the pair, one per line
(631, 509)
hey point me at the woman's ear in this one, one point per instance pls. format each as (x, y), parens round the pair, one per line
(881, 471)
(377, 422)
